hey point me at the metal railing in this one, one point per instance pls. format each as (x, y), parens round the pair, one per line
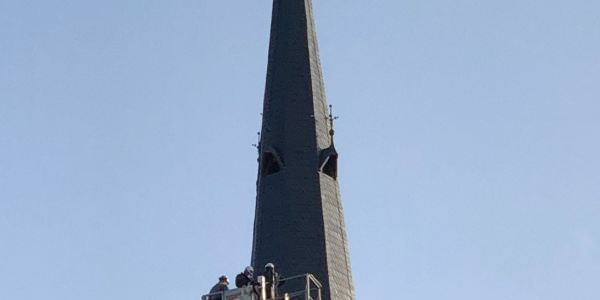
(310, 291)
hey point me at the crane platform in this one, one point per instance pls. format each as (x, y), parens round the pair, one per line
(311, 290)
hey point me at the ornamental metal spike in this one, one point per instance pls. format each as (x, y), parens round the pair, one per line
(331, 118)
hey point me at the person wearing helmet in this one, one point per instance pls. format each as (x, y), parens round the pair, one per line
(221, 286)
(273, 281)
(245, 278)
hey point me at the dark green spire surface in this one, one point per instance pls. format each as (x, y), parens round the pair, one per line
(299, 223)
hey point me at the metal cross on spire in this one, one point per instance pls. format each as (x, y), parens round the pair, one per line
(331, 118)
(257, 145)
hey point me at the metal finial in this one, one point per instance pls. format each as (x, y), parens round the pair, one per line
(257, 145)
(331, 118)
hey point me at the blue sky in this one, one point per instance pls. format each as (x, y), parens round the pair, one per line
(468, 140)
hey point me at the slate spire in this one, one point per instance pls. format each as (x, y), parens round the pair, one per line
(299, 223)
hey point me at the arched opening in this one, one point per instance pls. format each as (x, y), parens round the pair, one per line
(270, 164)
(329, 166)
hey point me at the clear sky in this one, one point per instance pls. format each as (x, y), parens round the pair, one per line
(468, 138)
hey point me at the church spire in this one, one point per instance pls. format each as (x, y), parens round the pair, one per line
(299, 224)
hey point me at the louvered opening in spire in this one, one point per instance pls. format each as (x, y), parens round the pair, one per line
(329, 167)
(270, 164)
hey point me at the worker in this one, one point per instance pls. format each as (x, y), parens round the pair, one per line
(273, 281)
(245, 278)
(221, 286)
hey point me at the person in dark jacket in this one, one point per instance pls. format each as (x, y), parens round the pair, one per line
(222, 285)
(245, 278)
